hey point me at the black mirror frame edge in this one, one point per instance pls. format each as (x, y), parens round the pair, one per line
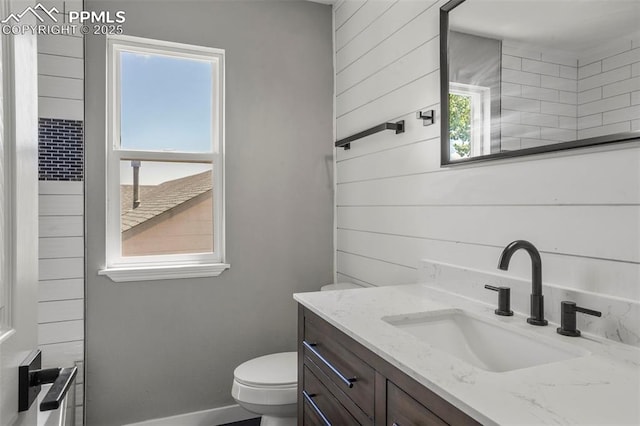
(445, 159)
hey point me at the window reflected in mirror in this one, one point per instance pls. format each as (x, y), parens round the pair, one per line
(527, 77)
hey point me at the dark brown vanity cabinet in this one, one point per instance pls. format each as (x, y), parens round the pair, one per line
(343, 383)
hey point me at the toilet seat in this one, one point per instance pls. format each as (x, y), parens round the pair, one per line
(267, 380)
(264, 395)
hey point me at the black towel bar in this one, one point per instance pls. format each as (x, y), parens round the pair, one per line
(346, 142)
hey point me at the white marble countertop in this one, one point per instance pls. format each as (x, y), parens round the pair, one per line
(601, 388)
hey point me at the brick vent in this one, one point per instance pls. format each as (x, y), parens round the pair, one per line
(60, 149)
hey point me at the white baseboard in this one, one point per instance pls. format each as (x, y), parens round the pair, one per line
(212, 417)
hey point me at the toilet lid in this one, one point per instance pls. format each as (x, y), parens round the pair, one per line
(269, 370)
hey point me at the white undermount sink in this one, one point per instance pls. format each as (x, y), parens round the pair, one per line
(484, 343)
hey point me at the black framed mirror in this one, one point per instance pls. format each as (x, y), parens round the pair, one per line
(529, 77)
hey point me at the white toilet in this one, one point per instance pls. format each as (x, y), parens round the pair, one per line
(268, 385)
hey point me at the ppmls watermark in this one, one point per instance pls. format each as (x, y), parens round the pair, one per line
(54, 22)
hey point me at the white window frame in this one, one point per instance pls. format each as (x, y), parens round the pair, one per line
(480, 115)
(136, 268)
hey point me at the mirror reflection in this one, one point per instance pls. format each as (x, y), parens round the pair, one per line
(534, 76)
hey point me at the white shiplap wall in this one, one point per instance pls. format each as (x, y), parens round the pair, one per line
(61, 289)
(61, 69)
(61, 285)
(396, 205)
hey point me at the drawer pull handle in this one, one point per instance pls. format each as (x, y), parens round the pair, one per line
(345, 380)
(309, 399)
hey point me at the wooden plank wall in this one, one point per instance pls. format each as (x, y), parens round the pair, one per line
(61, 286)
(61, 290)
(396, 205)
(61, 69)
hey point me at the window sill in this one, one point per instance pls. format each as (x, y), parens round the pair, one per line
(169, 272)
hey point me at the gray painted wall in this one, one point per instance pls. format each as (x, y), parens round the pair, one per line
(162, 348)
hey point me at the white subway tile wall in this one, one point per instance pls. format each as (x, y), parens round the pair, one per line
(599, 89)
(541, 86)
(609, 91)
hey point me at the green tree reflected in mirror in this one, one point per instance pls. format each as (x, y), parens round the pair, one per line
(460, 124)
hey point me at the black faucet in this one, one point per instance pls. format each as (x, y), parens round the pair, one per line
(537, 300)
(568, 318)
(504, 300)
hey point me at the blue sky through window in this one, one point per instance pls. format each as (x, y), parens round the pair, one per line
(166, 103)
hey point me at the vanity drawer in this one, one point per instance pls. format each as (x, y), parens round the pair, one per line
(403, 410)
(381, 394)
(325, 347)
(320, 406)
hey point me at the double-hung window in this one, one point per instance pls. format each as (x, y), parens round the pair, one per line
(165, 169)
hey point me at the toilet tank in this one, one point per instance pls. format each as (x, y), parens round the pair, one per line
(339, 286)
